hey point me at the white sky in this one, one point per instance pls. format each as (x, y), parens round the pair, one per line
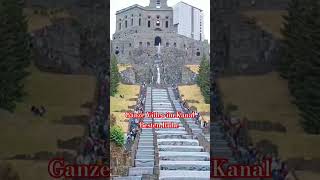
(116, 5)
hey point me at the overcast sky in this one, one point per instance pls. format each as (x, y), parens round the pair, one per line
(116, 5)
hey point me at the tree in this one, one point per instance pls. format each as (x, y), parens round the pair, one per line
(15, 53)
(115, 76)
(301, 61)
(203, 79)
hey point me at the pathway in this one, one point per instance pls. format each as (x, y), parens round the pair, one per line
(171, 154)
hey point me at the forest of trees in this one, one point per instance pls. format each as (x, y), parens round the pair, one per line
(301, 59)
(15, 53)
(203, 79)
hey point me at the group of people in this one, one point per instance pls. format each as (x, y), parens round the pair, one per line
(186, 109)
(94, 148)
(245, 153)
(134, 122)
(38, 111)
(236, 131)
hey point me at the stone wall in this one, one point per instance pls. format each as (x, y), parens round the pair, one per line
(57, 47)
(240, 46)
(144, 43)
(172, 67)
(77, 45)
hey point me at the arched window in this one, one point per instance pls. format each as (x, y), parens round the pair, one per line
(157, 23)
(126, 24)
(139, 21)
(149, 23)
(131, 22)
(140, 44)
(148, 44)
(157, 41)
(175, 44)
(167, 44)
(167, 24)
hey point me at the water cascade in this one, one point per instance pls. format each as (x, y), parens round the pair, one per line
(158, 69)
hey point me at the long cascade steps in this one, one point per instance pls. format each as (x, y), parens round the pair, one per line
(145, 155)
(180, 156)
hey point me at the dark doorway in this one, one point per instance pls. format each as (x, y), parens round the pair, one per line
(157, 41)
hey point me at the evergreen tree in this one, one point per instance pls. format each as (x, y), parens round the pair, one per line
(115, 76)
(301, 61)
(15, 53)
(291, 32)
(203, 79)
(307, 84)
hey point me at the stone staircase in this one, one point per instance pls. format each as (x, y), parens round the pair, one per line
(221, 148)
(169, 153)
(180, 156)
(145, 155)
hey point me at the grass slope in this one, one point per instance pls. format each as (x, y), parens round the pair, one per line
(118, 106)
(193, 67)
(266, 97)
(62, 95)
(192, 93)
(269, 20)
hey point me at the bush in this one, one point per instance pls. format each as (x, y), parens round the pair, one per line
(117, 135)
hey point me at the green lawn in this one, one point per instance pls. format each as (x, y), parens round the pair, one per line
(193, 67)
(269, 20)
(267, 97)
(22, 133)
(117, 104)
(192, 93)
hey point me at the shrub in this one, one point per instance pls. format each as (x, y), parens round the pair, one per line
(117, 135)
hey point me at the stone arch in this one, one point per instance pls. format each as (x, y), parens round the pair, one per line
(157, 41)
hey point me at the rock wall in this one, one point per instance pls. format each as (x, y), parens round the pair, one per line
(239, 45)
(172, 67)
(77, 45)
(57, 47)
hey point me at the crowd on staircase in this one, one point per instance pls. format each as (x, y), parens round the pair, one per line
(236, 130)
(94, 148)
(188, 110)
(133, 129)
